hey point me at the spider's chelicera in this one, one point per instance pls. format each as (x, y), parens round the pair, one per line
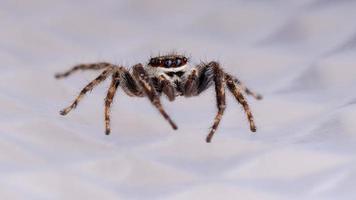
(170, 75)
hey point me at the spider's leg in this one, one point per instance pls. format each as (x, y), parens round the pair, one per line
(90, 86)
(109, 99)
(143, 79)
(249, 92)
(91, 66)
(244, 88)
(128, 84)
(123, 78)
(205, 79)
(191, 84)
(236, 91)
(167, 88)
(220, 96)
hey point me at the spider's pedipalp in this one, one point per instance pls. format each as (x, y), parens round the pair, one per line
(91, 66)
(167, 88)
(236, 91)
(109, 99)
(190, 85)
(143, 79)
(87, 88)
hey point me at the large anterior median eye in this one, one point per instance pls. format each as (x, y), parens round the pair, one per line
(178, 62)
(168, 63)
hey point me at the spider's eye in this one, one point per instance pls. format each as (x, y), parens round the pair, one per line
(185, 60)
(178, 62)
(168, 63)
(153, 62)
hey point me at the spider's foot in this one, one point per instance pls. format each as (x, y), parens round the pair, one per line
(172, 98)
(173, 125)
(253, 128)
(107, 132)
(64, 111)
(258, 97)
(210, 136)
(60, 75)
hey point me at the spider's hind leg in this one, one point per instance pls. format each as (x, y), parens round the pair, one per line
(87, 88)
(236, 91)
(92, 66)
(244, 88)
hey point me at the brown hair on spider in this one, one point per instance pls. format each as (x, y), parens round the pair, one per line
(170, 61)
(168, 75)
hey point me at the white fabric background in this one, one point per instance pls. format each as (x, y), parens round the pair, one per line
(299, 54)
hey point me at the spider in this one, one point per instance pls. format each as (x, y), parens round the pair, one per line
(170, 75)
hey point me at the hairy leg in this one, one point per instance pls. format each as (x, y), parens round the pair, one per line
(128, 84)
(143, 79)
(244, 88)
(220, 97)
(90, 86)
(236, 91)
(109, 99)
(190, 86)
(92, 66)
(167, 88)
(205, 77)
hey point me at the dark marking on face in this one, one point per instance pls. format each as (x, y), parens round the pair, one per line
(171, 74)
(168, 61)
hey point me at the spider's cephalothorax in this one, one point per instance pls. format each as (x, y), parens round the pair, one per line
(169, 75)
(170, 70)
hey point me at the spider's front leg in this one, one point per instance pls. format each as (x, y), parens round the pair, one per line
(142, 77)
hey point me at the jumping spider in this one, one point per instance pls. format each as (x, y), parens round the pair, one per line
(171, 75)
